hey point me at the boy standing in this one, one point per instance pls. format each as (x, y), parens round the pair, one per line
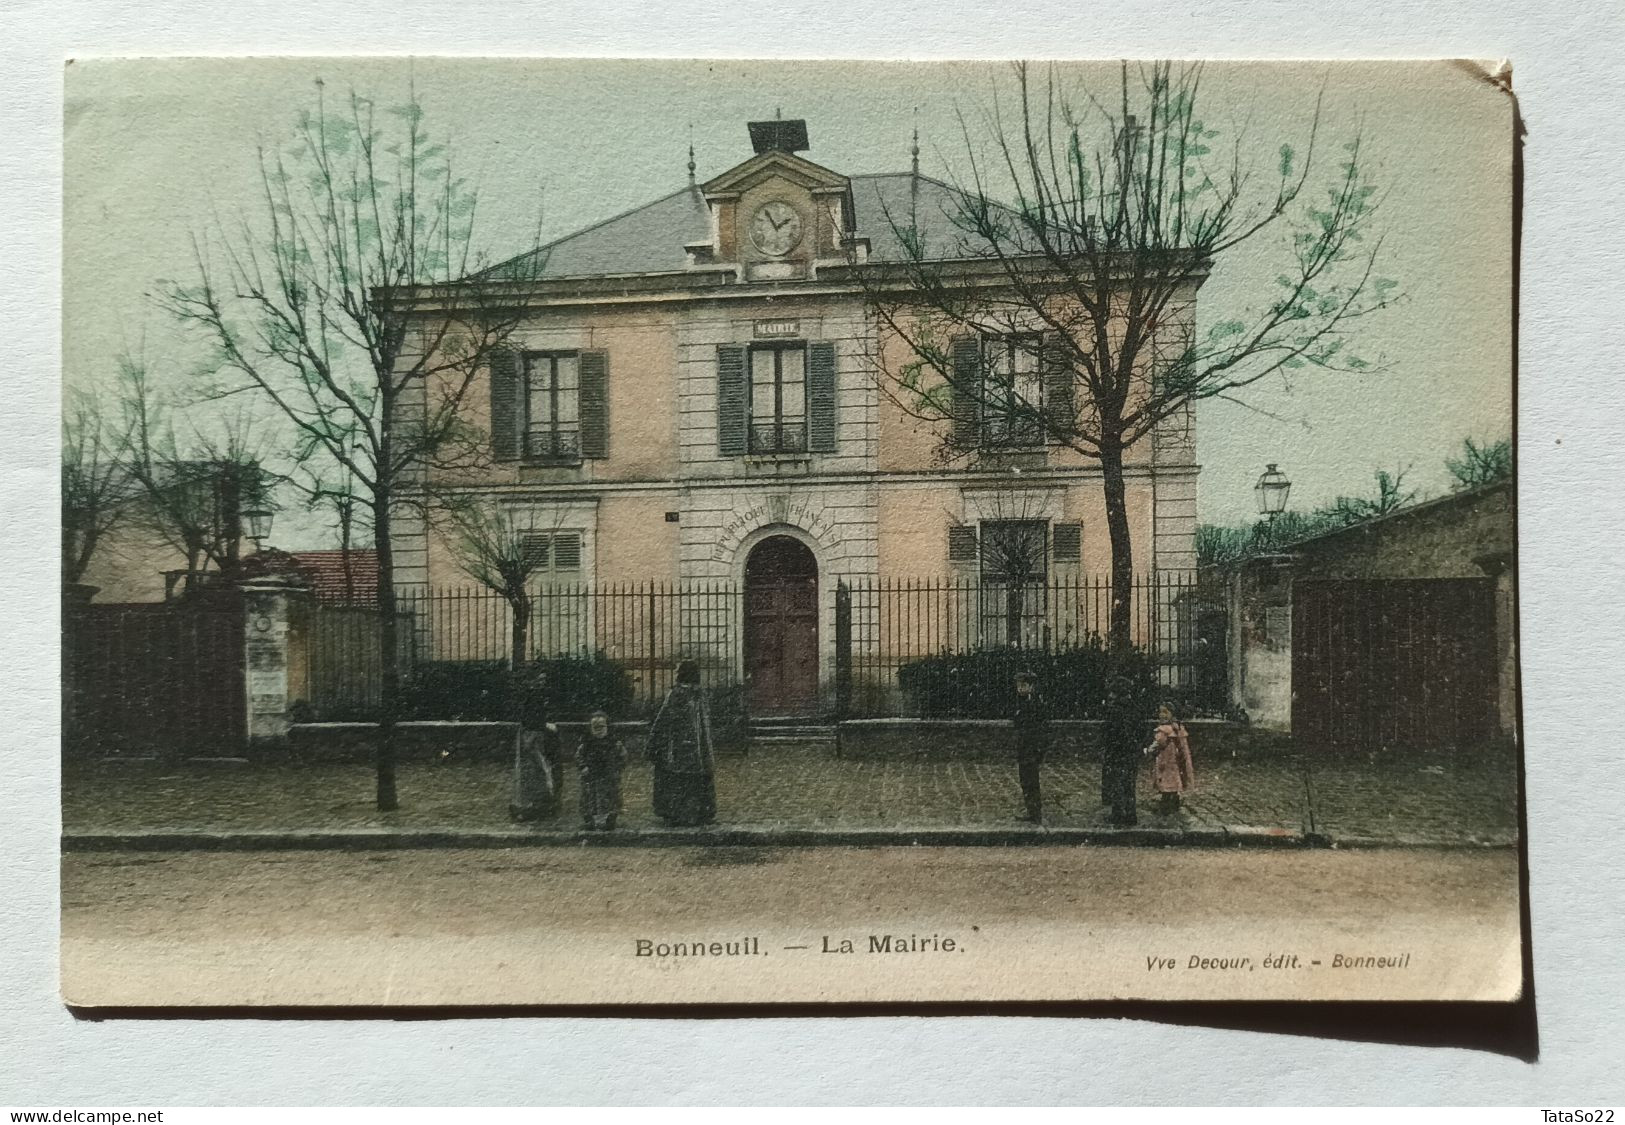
(1032, 739)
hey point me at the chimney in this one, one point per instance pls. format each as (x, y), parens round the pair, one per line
(778, 136)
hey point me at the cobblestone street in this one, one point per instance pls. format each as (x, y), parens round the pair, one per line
(1414, 798)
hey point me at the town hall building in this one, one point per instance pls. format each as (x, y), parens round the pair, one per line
(697, 395)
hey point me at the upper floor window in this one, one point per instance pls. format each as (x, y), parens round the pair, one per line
(553, 406)
(778, 398)
(1012, 390)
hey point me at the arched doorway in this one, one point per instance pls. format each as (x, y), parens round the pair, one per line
(781, 627)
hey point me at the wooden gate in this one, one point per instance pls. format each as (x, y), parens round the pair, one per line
(164, 678)
(1393, 663)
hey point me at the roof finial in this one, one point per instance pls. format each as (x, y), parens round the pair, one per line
(914, 175)
(915, 151)
(778, 113)
(690, 154)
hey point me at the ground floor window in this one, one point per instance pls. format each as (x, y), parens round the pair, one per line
(1014, 561)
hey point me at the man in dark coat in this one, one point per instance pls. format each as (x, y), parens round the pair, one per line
(1121, 734)
(1031, 722)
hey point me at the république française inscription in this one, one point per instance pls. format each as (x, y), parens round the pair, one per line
(800, 513)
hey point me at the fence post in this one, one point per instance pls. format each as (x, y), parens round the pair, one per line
(650, 688)
(267, 610)
(843, 649)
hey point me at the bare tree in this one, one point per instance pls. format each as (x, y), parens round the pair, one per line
(96, 484)
(1066, 316)
(194, 484)
(1391, 496)
(336, 304)
(1480, 464)
(503, 553)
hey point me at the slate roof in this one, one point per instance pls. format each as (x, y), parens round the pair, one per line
(650, 238)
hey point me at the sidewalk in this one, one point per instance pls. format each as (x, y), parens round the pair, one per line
(801, 794)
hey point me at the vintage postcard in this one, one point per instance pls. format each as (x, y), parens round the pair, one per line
(544, 532)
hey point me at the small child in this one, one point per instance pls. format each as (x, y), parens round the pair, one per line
(1171, 771)
(600, 758)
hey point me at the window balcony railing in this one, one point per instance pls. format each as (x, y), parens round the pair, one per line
(778, 437)
(554, 445)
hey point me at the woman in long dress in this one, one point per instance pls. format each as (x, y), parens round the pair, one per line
(682, 753)
(537, 780)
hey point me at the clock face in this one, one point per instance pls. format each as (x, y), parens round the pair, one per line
(775, 228)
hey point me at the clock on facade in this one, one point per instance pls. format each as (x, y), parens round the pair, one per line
(775, 228)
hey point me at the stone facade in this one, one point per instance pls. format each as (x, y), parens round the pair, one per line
(669, 501)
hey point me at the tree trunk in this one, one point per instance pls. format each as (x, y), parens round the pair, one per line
(389, 657)
(1120, 626)
(521, 628)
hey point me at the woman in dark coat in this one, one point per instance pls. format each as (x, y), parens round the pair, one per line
(537, 779)
(681, 751)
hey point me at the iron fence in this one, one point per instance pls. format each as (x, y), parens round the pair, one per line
(1174, 619)
(866, 631)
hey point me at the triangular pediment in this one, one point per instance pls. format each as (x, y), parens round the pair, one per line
(766, 165)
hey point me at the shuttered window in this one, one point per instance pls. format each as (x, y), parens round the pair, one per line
(552, 406)
(595, 404)
(1068, 542)
(1060, 410)
(505, 404)
(821, 398)
(1012, 390)
(778, 398)
(552, 552)
(733, 397)
(965, 391)
(962, 544)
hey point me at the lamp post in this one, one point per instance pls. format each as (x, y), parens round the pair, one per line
(259, 525)
(1272, 490)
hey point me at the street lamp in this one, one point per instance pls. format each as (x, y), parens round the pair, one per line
(1271, 490)
(259, 524)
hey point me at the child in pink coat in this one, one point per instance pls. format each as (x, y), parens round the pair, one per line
(1171, 772)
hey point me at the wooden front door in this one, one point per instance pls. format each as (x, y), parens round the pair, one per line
(781, 627)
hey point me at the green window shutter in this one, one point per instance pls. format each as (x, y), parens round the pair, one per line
(967, 391)
(962, 543)
(595, 404)
(1068, 542)
(821, 398)
(506, 404)
(1060, 410)
(566, 550)
(732, 400)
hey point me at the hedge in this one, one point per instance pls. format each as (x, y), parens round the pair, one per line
(483, 690)
(981, 685)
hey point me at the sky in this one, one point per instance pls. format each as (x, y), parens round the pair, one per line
(156, 150)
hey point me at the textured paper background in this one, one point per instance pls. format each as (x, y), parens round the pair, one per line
(1570, 419)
